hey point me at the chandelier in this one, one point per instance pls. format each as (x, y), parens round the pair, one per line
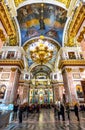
(41, 53)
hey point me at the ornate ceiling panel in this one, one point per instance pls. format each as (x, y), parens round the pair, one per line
(77, 20)
(41, 19)
(7, 23)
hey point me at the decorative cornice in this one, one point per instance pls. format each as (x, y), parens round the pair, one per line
(7, 23)
(63, 63)
(22, 81)
(11, 62)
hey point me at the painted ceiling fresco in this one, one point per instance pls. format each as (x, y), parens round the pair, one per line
(41, 68)
(41, 19)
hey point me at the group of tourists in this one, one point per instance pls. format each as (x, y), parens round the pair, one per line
(22, 111)
(60, 109)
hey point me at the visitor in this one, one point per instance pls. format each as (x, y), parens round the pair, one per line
(68, 110)
(59, 113)
(62, 111)
(20, 113)
(15, 110)
(76, 111)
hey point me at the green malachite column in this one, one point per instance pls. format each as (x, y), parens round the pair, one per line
(48, 96)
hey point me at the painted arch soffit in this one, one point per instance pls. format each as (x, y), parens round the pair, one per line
(41, 19)
(40, 69)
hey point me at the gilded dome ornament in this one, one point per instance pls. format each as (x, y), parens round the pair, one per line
(2, 35)
(17, 2)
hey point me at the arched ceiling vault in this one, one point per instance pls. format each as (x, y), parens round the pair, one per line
(41, 19)
(74, 26)
(31, 15)
(41, 69)
(35, 65)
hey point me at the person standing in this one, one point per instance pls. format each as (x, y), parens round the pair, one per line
(15, 110)
(68, 110)
(62, 111)
(20, 114)
(76, 111)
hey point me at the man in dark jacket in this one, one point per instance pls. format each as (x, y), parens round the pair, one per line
(62, 111)
(76, 111)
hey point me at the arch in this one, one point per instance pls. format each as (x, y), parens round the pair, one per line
(35, 64)
(42, 1)
(30, 41)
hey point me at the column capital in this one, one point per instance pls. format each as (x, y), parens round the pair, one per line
(1, 69)
(13, 69)
(81, 69)
(68, 69)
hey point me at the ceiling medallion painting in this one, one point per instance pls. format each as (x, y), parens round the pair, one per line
(41, 19)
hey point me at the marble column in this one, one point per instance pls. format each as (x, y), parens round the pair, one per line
(83, 47)
(13, 85)
(70, 90)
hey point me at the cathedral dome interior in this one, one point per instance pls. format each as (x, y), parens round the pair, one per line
(42, 51)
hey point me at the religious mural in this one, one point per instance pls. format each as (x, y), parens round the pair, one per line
(2, 91)
(79, 91)
(41, 19)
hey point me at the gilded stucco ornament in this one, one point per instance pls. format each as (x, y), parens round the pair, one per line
(81, 36)
(70, 42)
(12, 40)
(7, 22)
(2, 35)
(75, 24)
(66, 2)
(17, 2)
(68, 69)
(81, 69)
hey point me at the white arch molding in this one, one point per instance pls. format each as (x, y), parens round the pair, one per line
(53, 2)
(35, 64)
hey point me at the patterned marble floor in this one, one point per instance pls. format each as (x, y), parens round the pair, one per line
(47, 121)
